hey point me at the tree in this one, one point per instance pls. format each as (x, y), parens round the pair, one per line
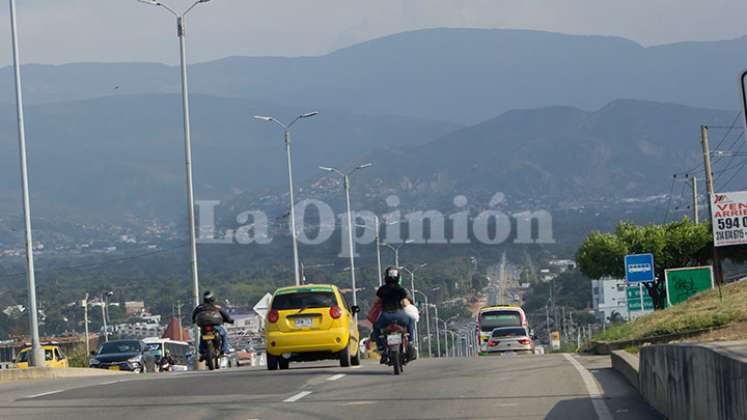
(676, 244)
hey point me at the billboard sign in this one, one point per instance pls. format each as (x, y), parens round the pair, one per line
(683, 283)
(639, 268)
(729, 211)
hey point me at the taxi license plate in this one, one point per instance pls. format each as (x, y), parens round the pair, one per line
(113, 367)
(208, 337)
(394, 339)
(304, 322)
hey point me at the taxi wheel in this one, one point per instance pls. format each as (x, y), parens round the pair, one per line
(356, 360)
(272, 362)
(345, 358)
(283, 363)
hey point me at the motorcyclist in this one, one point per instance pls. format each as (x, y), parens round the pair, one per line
(210, 313)
(393, 300)
(167, 360)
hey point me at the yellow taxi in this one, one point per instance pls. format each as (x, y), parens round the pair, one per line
(53, 357)
(311, 322)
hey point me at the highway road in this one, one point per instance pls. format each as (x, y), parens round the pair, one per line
(521, 387)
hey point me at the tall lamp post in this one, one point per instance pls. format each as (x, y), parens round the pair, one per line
(438, 336)
(351, 245)
(287, 139)
(412, 292)
(181, 34)
(427, 322)
(395, 249)
(37, 354)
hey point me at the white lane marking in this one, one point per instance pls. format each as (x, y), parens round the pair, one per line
(43, 394)
(109, 383)
(336, 377)
(356, 367)
(297, 396)
(596, 394)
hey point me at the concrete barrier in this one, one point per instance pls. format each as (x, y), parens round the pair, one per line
(696, 381)
(627, 364)
(13, 375)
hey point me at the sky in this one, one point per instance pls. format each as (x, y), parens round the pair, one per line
(64, 31)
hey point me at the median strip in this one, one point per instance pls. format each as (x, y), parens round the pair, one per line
(297, 396)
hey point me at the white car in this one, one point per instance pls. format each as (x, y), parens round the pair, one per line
(510, 339)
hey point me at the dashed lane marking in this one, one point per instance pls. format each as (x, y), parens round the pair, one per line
(596, 394)
(298, 396)
(44, 394)
(336, 377)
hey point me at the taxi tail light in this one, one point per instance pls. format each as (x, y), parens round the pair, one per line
(524, 341)
(207, 328)
(335, 312)
(273, 316)
(493, 343)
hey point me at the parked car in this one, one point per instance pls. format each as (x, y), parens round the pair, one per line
(53, 357)
(510, 339)
(127, 355)
(311, 322)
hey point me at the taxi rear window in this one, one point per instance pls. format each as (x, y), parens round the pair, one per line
(305, 300)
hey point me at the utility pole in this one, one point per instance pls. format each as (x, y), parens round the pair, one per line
(709, 188)
(103, 317)
(696, 210)
(179, 317)
(85, 320)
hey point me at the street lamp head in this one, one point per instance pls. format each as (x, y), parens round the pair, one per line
(325, 168)
(409, 241)
(364, 166)
(263, 118)
(151, 2)
(309, 114)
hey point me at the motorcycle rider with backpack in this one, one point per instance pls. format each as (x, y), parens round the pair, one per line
(210, 313)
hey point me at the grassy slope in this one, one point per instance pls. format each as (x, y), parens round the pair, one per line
(704, 310)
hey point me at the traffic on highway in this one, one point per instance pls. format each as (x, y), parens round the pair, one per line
(403, 209)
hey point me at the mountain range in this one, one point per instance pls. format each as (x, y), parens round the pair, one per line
(461, 75)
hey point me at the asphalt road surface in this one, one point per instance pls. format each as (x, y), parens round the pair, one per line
(520, 387)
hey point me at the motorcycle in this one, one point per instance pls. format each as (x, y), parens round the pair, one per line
(164, 365)
(211, 349)
(396, 350)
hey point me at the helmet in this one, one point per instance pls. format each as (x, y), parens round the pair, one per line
(208, 297)
(391, 275)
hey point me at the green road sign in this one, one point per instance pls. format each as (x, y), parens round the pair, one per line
(682, 283)
(634, 299)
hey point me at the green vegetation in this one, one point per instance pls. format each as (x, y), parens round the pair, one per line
(674, 245)
(702, 311)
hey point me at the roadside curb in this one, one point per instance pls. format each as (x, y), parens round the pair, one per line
(607, 347)
(628, 366)
(14, 375)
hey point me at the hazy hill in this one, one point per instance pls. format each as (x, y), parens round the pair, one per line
(464, 75)
(117, 156)
(625, 149)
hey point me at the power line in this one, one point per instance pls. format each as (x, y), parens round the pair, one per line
(735, 174)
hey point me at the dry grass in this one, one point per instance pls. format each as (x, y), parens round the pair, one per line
(704, 310)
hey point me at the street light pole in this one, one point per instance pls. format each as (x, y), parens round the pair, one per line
(351, 245)
(438, 334)
(287, 139)
(85, 320)
(378, 250)
(395, 249)
(37, 354)
(427, 323)
(181, 34)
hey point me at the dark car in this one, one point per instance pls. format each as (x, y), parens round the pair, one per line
(127, 355)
